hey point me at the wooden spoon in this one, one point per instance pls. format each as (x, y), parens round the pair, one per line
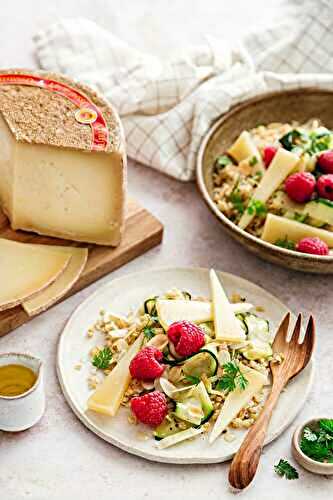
(295, 358)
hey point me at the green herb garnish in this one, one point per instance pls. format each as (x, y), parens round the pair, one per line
(257, 207)
(193, 380)
(295, 140)
(321, 140)
(223, 160)
(300, 217)
(102, 359)
(148, 332)
(284, 469)
(237, 201)
(318, 443)
(253, 161)
(285, 243)
(232, 378)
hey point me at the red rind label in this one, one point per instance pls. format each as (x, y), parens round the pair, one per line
(99, 128)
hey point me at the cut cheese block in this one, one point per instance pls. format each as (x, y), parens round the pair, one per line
(226, 325)
(62, 159)
(170, 311)
(107, 397)
(236, 400)
(25, 270)
(179, 437)
(321, 210)
(281, 166)
(279, 228)
(244, 148)
(43, 300)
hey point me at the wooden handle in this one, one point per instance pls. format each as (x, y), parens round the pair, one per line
(245, 463)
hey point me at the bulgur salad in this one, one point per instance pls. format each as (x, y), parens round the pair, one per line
(183, 365)
(276, 182)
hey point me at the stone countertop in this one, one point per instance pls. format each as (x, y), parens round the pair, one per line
(59, 458)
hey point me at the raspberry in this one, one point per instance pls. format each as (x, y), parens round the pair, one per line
(325, 186)
(269, 153)
(145, 365)
(186, 337)
(325, 162)
(315, 246)
(300, 186)
(151, 408)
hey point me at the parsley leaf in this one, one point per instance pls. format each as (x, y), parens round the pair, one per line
(257, 207)
(193, 380)
(253, 161)
(284, 469)
(148, 332)
(237, 201)
(232, 378)
(285, 243)
(103, 358)
(223, 160)
(326, 424)
(317, 443)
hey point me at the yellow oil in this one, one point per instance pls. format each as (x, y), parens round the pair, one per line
(16, 380)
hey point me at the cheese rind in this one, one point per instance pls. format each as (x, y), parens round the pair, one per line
(236, 400)
(108, 395)
(281, 166)
(277, 228)
(25, 270)
(54, 292)
(226, 325)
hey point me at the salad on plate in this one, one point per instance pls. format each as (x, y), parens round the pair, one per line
(276, 182)
(183, 365)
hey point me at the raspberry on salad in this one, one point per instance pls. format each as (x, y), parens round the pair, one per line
(151, 408)
(186, 337)
(325, 162)
(300, 186)
(325, 186)
(315, 246)
(268, 154)
(146, 364)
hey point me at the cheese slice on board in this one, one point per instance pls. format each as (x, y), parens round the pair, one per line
(226, 325)
(108, 395)
(196, 311)
(62, 158)
(280, 228)
(236, 400)
(281, 166)
(43, 300)
(25, 270)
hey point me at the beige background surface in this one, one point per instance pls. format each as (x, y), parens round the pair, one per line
(59, 458)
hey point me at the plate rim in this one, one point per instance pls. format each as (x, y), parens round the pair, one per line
(84, 419)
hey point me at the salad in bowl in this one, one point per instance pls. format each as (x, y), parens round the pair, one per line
(276, 182)
(184, 366)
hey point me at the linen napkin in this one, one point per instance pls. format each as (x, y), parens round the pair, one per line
(167, 106)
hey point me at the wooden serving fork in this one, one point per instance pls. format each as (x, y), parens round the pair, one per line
(295, 358)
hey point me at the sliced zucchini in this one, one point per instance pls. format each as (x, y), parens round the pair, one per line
(149, 306)
(187, 295)
(206, 404)
(259, 345)
(178, 437)
(190, 410)
(203, 362)
(168, 427)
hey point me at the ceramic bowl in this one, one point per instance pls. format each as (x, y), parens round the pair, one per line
(285, 106)
(301, 458)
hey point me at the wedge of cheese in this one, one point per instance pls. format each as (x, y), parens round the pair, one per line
(62, 166)
(281, 166)
(279, 228)
(244, 148)
(46, 298)
(236, 400)
(107, 397)
(226, 325)
(170, 311)
(26, 270)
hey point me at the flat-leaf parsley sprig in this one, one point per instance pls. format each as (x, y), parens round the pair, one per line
(103, 358)
(232, 378)
(284, 469)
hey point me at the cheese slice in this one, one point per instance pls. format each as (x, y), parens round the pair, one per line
(43, 300)
(226, 325)
(244, 148)
(170, 311)
(279, 228)
(53, 180)
(108, 396)
(236, 400)
(281, 166)
(25, 270)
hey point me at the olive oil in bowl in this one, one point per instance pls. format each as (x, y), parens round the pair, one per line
(16, 380)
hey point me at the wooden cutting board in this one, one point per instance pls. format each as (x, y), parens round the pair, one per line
(142, 232)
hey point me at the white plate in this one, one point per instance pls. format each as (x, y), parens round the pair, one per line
(129, 292)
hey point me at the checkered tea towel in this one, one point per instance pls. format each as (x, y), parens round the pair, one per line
(167, 107)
